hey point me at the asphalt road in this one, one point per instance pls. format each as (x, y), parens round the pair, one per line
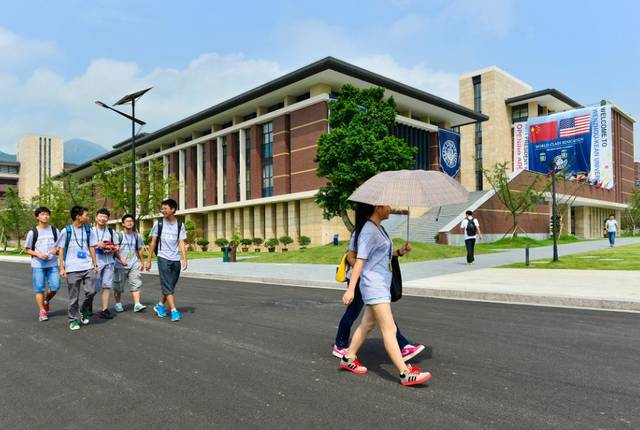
(257, 356)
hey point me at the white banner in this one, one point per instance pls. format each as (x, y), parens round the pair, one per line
(520, 146)
(601, 173)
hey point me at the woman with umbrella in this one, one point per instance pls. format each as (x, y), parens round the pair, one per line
(374, 251)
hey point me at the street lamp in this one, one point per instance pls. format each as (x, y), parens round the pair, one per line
(553, 168)
(130, 98)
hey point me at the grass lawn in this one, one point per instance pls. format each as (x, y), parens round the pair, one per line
(522, 242)
(329, 254)
(14, 253)
(619, 258)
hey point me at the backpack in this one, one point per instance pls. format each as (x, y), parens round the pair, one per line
(160, 224)
(34, 232)
(472, 228)
(87, 230)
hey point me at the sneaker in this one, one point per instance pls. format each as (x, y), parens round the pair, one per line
(410, 351)
(176, 315)
(139, 307)
(352, 365)
(73, 325)
(46, 306)
(160, 310)
(42, 316)
(414, 376)
(105, 314)
(119, 308)
(338, 352)
(84, 317)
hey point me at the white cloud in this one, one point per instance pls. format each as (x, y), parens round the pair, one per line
(15, 50)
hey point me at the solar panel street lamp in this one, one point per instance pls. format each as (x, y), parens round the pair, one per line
(553, 168)
(130, 98)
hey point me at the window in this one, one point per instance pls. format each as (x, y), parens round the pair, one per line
(237, 148)
(477, 106)
(224, 170)
(540, 110)
(247, 134)
(267, 159)
(204, 173)
(275, 107)
(194, 173)
(9, 169)
(519, 113)
(303, 97)
(49, 158)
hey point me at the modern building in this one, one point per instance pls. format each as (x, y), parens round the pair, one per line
(248, 163)
(9, 176)
(40, 157)
(508, 100)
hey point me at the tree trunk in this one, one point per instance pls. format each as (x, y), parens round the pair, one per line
(515, 225)
(347, 222)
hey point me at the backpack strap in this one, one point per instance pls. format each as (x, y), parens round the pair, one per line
(34, 237)
(87, 230)
(111, 234)
(159, 241)
(179, 230)
(54, 231)
(67, 241)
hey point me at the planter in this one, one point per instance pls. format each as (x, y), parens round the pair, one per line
(284, 249)
(272, 250)
(204, 248)
(245, 249)
(256, 250)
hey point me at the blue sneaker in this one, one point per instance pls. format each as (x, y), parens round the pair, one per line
(160, 310)
(175, 315)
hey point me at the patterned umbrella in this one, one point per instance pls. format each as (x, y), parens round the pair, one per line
(410, 188)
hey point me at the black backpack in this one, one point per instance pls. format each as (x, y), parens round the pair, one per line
(471, 229)
(159, 242)
(34, 232)
(136, 235)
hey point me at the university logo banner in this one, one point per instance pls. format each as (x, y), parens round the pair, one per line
(578, 142)
(449, 143)
(520, 146)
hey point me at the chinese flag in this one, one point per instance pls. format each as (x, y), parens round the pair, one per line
(543, 132)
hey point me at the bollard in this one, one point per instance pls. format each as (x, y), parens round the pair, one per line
(526, 255)
(336, 240)
(225, 254)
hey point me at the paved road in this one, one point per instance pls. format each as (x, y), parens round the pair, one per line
(257, 356)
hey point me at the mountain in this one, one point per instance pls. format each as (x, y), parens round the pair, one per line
(7, 157)
(78, 151)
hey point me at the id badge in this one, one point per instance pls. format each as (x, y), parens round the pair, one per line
(82, 254)
(129, 255)
(390, 268)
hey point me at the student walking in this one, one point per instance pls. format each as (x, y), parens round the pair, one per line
(471, 229)
(129, 266)
(105, 249)
(611, 228)
(167, 236)
(373, 269)
(40, 244)
(352, 312)
(77, 264)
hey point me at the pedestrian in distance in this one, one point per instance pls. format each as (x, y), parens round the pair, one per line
(373, 270)
(611, 229)
(106, 249)
(471, 230)
(40, 244)
(129, 265)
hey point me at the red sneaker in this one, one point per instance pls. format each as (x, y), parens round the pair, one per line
(352, 365)
(414, 376)
(46, 306)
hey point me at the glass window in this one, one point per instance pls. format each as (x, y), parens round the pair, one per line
(267, 159)
(519, 113)
(247, 134)
(224, 170)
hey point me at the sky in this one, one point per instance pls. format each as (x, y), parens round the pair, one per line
(57, 58)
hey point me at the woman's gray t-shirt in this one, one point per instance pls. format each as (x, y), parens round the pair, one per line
(376, 248)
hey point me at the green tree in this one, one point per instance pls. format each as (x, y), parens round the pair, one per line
(61, 194)
(517, 201)
(18, 217)
(632, 213)
(112, 182)
(190, 228)
(357, 147)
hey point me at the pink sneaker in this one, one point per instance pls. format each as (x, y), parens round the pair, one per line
(410, 351)
(42, 316)
(338, 352)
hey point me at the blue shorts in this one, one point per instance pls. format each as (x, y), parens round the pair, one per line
(377, 300)
(46, 275)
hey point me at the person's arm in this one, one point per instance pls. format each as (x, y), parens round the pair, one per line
(141, 257)
(401, 252)
(351, 258)
(61, 262)
(479, 231)
(347, 298)
(92, 251)
(183, 251)
(31, 248)
(152, 248)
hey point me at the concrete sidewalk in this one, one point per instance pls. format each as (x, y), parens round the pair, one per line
(453, 278)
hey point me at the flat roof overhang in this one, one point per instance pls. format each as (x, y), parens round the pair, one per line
(550, 98)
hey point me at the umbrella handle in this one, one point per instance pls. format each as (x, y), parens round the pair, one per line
(408, 220)
(438, 215)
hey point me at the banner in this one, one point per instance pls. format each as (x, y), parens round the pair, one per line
(520, 146)
(577, 142)
(449, 144)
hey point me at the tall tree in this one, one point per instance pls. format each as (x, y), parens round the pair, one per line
(61, 194)
(357, 147)
(17, 214)
(632, 213)
(112, 182)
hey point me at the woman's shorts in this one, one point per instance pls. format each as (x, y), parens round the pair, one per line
(377, 300)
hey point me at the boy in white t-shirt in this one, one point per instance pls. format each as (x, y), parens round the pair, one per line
(471, 228)
(611, 228)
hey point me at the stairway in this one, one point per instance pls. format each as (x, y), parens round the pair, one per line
(425, 228)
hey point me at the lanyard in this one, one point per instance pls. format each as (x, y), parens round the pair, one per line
(129, 243)
(75, 237)
(384, 233)
(101, 238)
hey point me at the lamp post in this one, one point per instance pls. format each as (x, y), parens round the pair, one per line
(554, 209)
(130, 98)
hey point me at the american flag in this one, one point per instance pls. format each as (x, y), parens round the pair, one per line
(575, 126)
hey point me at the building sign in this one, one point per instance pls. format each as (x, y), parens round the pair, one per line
(449, 143)
(520, 146)
(577, 142)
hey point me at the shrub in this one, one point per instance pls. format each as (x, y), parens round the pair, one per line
(221, 242)
(202, 242)
(272, 243)
(285, 240)
(246, 242)
(257, 241)
(304, 241)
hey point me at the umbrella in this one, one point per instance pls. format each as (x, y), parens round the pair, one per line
(410, 188)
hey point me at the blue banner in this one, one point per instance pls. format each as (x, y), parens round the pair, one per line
(449, 143)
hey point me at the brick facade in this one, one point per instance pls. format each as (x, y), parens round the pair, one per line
(281, 155)
(307, 125)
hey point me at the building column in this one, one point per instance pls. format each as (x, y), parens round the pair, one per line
(269, 222)
(258, 222)
(165, 172)
(199, 160)
(211, 234)
(228, 221)
(219, 179)
(293, 208)
(282, 225)
(220, 230)
(181, 179)
(247, 216)
(243, 164)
